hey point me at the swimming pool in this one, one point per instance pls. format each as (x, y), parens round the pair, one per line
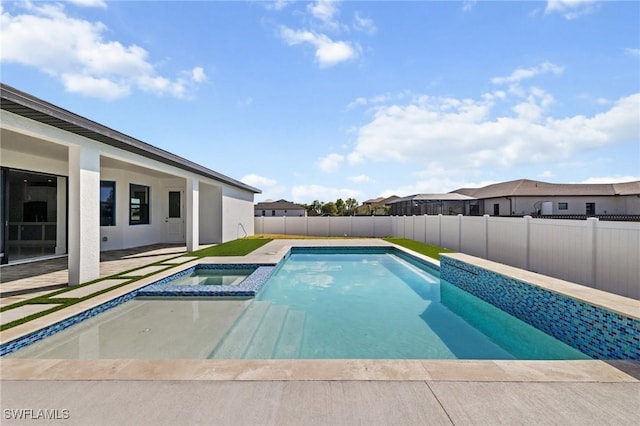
(376, 305)
(321, 303)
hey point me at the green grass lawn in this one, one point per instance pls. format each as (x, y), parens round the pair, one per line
(422, 248)
(233, 248)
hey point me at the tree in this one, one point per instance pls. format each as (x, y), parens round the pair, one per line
(315, 208)
(340, 207)
(329, 209)
(350, 206)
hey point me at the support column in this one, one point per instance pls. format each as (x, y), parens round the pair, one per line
(193, 214)
(61, 211)
(84, 214)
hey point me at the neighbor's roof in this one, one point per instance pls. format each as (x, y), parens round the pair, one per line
(451, 196)
(533, 188)
(30, 107)
(381, 200)
(278, 205)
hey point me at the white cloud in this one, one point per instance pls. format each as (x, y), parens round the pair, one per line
(271, 189)
(361, 179)
(360, 23)
(277, 4)
(632, 51)
(527, 73)
(546, 174)
(308, 193)
(89, 3)
(468, 5)
(611, 179)
(325, 11)
(570, 9)
(469, 133)
(330, 163)
(75, 52)
(328, 52)
(258, 181)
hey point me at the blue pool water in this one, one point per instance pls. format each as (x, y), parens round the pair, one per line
(377, 306)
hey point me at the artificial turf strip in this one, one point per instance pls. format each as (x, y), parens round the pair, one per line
(240, 247)
(417, 246)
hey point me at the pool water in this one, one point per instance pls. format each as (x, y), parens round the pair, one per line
(377, 306)
(315, 306)
(214, 277)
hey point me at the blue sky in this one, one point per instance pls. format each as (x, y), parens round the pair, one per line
(328, 99)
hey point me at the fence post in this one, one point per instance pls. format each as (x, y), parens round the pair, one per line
(486, 236)
(592, 231)
(527, 242)
(440, 230)
(459, 232)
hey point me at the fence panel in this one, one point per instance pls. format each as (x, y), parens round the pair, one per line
(618, 258)
(382, 226)
(318, 226)
(295, 225)
(450, 233)
(562, 249)
(432, 234)
(474, 235)
(419, 228)
(273, 225)
(340, 226)
(506, 241)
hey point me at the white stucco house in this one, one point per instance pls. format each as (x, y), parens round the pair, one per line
(72, 186)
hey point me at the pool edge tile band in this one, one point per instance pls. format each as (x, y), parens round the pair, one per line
(596, 331)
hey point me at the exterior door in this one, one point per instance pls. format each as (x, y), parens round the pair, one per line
(175, 217)
(591, 208)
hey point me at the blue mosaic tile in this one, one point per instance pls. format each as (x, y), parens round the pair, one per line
(595, 331)
(249, 287)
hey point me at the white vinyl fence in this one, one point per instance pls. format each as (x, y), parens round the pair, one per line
(599, 254)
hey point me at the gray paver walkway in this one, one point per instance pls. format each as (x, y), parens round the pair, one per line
(327, 402)
(27, 280)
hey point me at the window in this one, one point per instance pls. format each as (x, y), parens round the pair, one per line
(139, 204)
(273, 212)
(107, 203)
(174, 204)
(263, 213)
(563, 206)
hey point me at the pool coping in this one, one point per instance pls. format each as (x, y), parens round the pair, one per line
(163, 369)
(585, 371)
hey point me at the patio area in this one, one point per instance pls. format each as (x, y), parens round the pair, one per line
(300, 392)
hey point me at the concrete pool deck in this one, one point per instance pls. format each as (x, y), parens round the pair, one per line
(331, 392)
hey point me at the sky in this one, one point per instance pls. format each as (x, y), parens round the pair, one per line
(323, 100)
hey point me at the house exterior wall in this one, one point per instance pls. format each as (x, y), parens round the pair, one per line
(237, 214)
(210, 214)
(615, 204)
(78, 158)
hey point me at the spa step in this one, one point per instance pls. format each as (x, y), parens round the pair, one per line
(234, 344)
(291, 336)
(266, 336)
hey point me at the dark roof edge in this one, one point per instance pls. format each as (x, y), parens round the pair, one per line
(110, 136)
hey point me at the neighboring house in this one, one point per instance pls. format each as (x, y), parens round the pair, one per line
(529, 197)
(377, 206)
(278, 209)
(72, 186)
